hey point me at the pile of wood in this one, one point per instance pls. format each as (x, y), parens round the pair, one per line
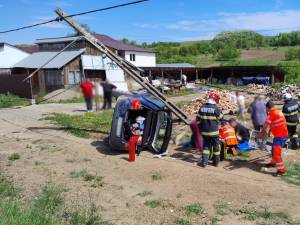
(292, 89)
(272, 92)
(260, 89)
(226, 103)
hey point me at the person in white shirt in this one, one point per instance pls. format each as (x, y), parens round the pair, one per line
(240, 100)
(97, 93)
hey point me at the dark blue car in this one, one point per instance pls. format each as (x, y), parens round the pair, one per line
(157, 125)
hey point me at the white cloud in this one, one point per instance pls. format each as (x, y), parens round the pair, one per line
(270, 22)
(53, 25)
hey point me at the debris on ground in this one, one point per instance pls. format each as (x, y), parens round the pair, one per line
(226, 103)
(273, 93)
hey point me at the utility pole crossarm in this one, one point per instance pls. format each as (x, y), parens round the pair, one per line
(127, 67)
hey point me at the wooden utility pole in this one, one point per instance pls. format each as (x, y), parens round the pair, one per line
(127, 67)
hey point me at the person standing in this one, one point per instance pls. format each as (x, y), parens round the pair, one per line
(258, 112)
(97, 94)
(107, 93)
(290, 110)
(209, 116)
(276, 123)
(87, 91)
(240, 100)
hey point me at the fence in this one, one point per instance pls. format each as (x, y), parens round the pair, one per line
(14, 84)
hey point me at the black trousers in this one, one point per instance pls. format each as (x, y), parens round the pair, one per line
(211, 147)
(292, 131)
(89, 102)
(107, 100)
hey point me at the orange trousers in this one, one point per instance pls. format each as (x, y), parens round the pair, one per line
(277, 158)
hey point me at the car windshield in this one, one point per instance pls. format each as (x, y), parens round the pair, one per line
(160, 130)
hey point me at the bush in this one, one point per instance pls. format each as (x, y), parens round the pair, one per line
(14, 157)
(293, 54)
(228, 53)
(292, 70)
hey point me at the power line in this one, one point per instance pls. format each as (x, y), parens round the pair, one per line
(58, 19)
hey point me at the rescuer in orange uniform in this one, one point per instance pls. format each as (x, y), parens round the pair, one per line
(228, 138)
(276, 123)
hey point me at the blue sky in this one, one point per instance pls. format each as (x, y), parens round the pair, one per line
(157, 20)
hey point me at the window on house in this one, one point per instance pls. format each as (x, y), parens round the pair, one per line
(132, 57)
(74, 77)
(59, 45)
(54, 78)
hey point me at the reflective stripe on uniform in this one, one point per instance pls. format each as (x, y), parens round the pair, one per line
(220, 116)
(206, 152)
(291, 124)
(203, 117)
(216, 153)
(230, 137)
(215, 133)
(290, 114)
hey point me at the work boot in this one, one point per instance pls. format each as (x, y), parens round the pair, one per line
(279, 174)
(216, 160)
(204, 161)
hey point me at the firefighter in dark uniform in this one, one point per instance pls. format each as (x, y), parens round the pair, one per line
(209, 116)
(290, 110)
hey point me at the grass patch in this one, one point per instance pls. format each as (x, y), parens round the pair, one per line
(293, 174)
(153, 203)
(156, 176)
(46, 209)
(82, 125)
(182, 93)
(144, 193)
(6, 188)
(182, 222)
(72, 100)
(266, 216)
(222, 209)
(86, 217)
(14, 157)
(193, 210)
(86, 176)
(70, 161)
(182, 103)
(244, 154)
(9, 101)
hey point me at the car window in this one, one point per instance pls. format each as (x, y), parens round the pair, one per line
(160, 130)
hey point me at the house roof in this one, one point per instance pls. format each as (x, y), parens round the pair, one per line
(106, 40)
(176, 65)
(28, 48)
(37, 59)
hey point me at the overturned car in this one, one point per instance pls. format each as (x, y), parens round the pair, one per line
(157, 122)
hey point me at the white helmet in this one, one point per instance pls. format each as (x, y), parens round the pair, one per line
(286, 96)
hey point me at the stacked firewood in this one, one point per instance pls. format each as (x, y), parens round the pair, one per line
(226, 103)
(260, 89)
(272, 92)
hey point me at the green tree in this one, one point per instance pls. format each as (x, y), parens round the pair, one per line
(228, 53)
(292, 71)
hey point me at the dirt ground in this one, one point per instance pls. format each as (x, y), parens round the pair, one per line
(48, 156)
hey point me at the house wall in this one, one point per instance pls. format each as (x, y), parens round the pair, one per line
(142, 59)
(10, 55)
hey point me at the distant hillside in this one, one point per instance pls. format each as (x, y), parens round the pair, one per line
(230, 48)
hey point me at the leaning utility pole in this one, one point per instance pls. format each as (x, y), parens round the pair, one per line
(129, 69)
